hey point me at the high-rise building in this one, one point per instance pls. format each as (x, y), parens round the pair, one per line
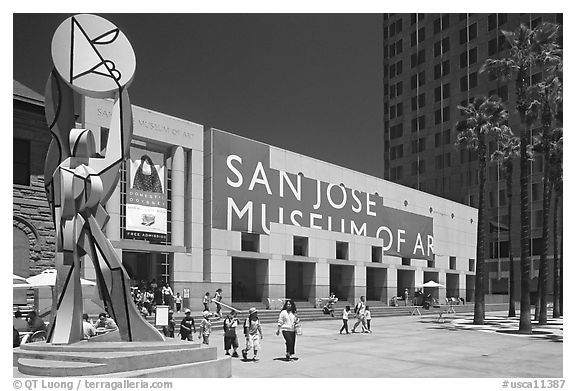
(431, 65)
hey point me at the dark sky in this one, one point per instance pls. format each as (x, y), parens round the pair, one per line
(309, 83)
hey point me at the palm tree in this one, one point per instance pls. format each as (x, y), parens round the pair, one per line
(528, 48)
(483, 117)
(549, 94)
(556, 180)
(508, 151)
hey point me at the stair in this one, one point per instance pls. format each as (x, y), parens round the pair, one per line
(120, 359)
(306, 312)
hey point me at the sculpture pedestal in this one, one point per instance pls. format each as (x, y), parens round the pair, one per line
(173, 358)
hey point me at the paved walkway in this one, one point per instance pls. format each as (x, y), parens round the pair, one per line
(409, 347)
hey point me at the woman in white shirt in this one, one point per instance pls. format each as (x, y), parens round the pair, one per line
(287, 322)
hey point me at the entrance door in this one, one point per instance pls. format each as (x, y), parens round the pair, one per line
(299, 280)
(147, 266)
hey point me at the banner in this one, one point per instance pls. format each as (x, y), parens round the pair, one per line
(146, 213)
(248, 195)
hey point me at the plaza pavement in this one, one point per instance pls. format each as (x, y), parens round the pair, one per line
(408, 347)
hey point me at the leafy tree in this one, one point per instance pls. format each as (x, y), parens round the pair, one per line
(483, 117)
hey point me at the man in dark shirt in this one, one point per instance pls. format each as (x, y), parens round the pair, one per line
(187, 327)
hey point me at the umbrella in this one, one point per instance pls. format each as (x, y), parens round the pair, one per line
(431, 284)
(48, 278)
(19, 282)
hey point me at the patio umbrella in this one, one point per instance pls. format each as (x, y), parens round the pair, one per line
(431, 284)
(19, 282)
(48, 279)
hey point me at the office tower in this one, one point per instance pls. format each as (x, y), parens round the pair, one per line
(431, 65)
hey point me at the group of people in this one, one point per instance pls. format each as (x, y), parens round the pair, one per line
(362, 314)
(288, 326)
(147, 296)
(102, 325)
(217, 298)
(29, 324)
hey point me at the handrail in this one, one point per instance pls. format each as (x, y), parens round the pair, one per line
(226, 305)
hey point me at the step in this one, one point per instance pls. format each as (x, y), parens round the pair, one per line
(122, 360)
(56, 368)
(84, 346)
(219, 368)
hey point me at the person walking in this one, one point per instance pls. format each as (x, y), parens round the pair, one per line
(168, 330)
(205, 328)
(167, 295)
(368, 316)
(187, 327)
(345, 313)
(218, 298)
(359, 310)
(178, 302)
(206, 301)
(253, 334)
(405, 296)
(287, 321)
(230, 337)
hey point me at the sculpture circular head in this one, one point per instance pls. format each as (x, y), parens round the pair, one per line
(93, 56)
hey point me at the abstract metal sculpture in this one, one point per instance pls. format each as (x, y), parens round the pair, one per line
(93, 58)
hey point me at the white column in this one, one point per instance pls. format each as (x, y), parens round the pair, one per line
(178, 196)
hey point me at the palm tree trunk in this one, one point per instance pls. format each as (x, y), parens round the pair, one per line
(525, 326)
(543, 272)
(556, 294)
(511, 282)
(479, 294)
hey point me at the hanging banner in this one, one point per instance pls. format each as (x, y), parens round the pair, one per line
(146, 212)
(248, 195)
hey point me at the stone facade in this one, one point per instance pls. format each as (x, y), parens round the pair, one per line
(31, 212)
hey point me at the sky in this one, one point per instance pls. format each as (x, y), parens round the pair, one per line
(308, 83)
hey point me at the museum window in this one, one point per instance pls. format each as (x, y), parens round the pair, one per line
(21, 162)
(377, 254)
(471, 263)
(341, 250)
(250, 242)
(452, 263)
(405, 261)
(301, 246)
(431, 263)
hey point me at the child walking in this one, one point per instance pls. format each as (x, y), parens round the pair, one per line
(345, 314)
(205, 328)
(230, 337)
(206, 301)
(368, 317)
(253, 334)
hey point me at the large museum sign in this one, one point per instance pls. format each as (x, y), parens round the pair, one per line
(248, 196)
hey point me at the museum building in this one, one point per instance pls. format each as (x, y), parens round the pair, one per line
(204, 209)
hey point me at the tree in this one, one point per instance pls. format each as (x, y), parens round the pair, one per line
(483, 117)
(508, 151)
(556, 180)
(549, 95)
(528, 48)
